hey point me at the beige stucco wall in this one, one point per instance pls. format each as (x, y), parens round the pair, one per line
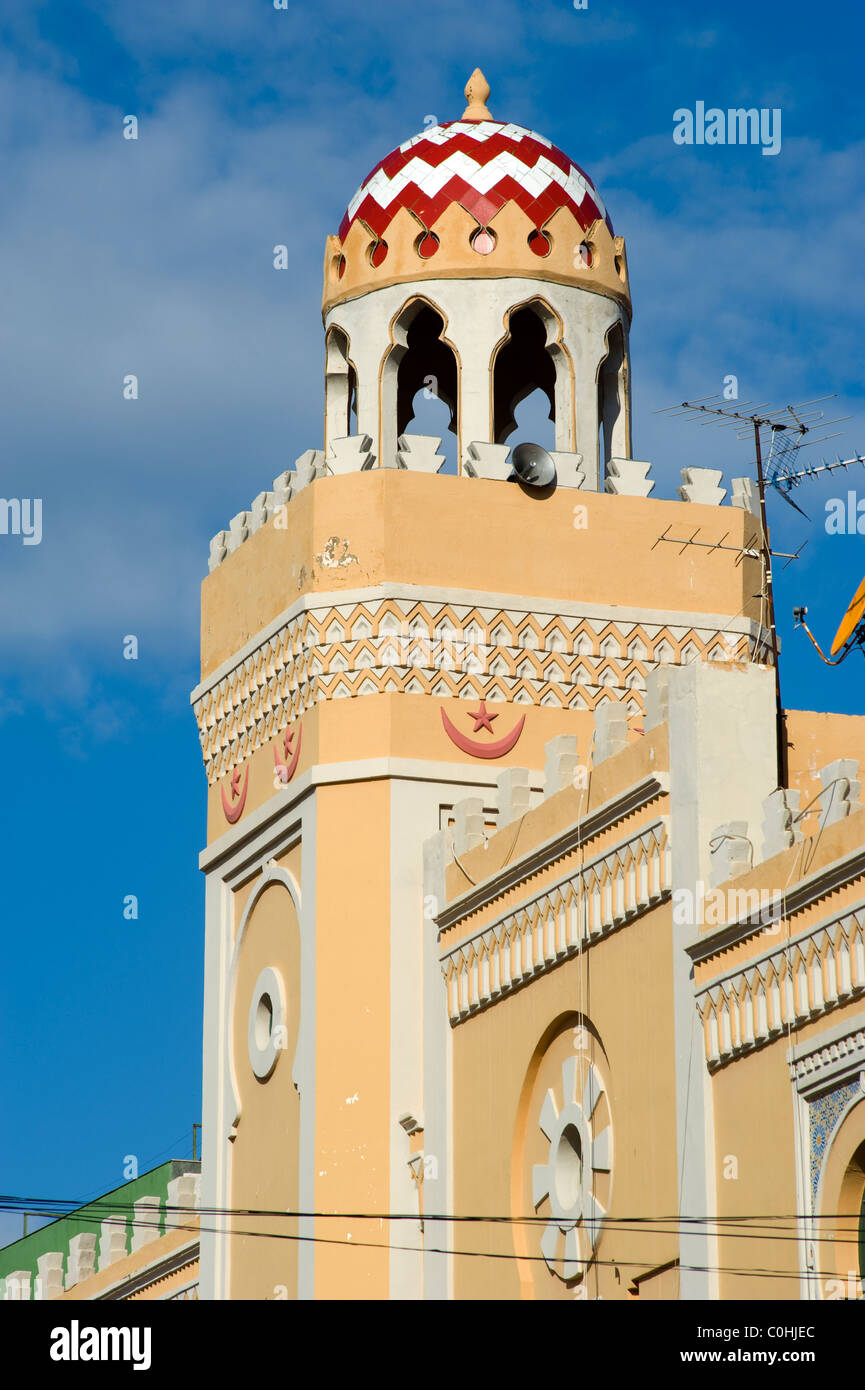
(755, 1161)
(352, 1102)
(263, 1261)
(815, 739)
(503, 1060)
(474, 535)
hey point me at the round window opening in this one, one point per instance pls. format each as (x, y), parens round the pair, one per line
(568, 1167)
(264, 1021)
(483, 241)
(266, 1033)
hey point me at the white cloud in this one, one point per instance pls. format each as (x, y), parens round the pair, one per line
(155, 257)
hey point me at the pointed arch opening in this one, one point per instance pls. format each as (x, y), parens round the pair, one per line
(532, 381)
(613, 422)
(420, 383)
(340, 387)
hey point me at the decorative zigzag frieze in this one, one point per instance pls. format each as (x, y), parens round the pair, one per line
(616, 887)
(348, 650)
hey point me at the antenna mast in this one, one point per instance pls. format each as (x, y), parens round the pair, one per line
(788, 426)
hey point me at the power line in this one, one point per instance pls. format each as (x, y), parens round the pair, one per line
(670, 1224)
(758, 1272)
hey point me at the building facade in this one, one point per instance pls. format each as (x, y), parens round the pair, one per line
(524, 977)
(138, 1242)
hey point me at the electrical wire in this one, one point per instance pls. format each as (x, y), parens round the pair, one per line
(672, 1220)
(757, 1271)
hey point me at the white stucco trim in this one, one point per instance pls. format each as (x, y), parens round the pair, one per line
(793, 899)
(464, 776)
(415, 810)
(829, 1059)
(236, 865)
(264, 1056)
(593, 823)
(722, 732)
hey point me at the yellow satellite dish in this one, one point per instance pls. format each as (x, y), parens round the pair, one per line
(851, 620)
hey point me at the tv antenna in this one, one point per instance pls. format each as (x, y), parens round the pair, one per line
(778, 435)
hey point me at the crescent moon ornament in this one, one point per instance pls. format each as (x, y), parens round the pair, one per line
(285, 771)
(473, 746)
(233, 813)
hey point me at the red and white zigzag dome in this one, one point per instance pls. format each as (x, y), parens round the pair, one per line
(475, 196)
(481, 165)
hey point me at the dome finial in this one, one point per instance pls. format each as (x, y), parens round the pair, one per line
(477, 91)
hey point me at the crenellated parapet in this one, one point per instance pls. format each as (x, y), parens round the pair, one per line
(420, 454)
(780, 949)
(115, 1231)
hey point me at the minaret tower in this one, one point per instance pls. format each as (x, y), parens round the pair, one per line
(388, 651)
(478, 253)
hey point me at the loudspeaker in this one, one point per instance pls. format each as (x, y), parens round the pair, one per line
(533, 465)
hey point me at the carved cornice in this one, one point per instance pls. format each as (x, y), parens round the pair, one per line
(837, 1058)
(654, 784)
(553, 925)
(793, 983)
(794, 899)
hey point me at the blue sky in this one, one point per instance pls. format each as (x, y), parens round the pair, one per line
(154, 257)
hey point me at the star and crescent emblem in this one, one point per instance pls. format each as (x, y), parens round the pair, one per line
(482, 720)
(233, 808)
(287, 765)
(286, 756)
(285, 759)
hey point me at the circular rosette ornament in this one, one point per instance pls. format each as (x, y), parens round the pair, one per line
(575, 1120)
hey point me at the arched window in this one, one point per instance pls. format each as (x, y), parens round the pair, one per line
(533, 381)
(612, 401)
(340, 388)
(523, 368)
(432, 416)
(429, 366)
(533, 421)
(419, 382)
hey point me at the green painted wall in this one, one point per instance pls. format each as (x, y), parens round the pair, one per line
(24, 1253)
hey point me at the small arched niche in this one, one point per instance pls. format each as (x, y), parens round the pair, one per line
(614, 435)
(531, 364)
(340, 387)
(419, 379)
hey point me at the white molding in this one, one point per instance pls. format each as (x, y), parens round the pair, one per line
(270, 875)
(288, 825)
(786, 961)
(774, 953)
(795, 899)
(142, 1279)
(557, 934)
(263, 1058)
(416, 1070)
(465, 775)
(831, 1060)
(594, 823)
(816, 1066)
